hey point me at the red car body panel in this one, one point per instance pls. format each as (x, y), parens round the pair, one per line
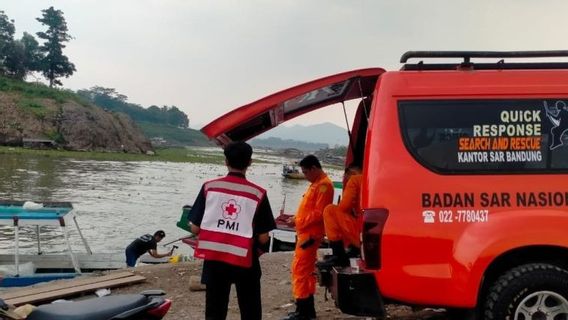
(450, 259)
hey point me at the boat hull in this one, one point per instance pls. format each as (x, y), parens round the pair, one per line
(293, 176)
(23, 281)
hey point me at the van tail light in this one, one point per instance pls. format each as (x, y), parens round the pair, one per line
(373, 224)
(160, 311)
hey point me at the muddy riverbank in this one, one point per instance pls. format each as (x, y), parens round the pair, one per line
(276, 293)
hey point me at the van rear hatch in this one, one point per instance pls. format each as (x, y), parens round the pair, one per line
(250, 120)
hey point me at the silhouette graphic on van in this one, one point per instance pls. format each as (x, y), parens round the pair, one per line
(558, 116)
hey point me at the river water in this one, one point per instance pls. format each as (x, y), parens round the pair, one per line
(118, 201)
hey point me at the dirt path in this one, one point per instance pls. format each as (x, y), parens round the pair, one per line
(276, 292)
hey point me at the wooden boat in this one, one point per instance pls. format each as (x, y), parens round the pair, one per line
(292, 171)
(47, 267)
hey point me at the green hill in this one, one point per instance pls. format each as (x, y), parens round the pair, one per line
(76, 122)
(32, 113)
(166, 125)
(174, 135)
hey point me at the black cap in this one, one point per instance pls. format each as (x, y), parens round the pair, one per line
(160, 233)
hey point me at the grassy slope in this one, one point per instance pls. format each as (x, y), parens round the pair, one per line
(32, 93)
(174, 135)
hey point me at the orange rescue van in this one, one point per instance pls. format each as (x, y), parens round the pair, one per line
(465, 189)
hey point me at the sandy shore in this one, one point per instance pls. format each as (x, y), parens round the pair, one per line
(276, 292)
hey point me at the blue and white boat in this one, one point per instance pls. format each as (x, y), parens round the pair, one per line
(47, 266)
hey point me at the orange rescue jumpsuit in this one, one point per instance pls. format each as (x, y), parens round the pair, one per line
(309, 224)
(343, 221)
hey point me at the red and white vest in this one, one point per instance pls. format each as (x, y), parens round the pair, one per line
(226, 229)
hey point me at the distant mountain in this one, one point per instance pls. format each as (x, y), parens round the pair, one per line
(327, 133)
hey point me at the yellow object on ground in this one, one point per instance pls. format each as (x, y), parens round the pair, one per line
(175, 259)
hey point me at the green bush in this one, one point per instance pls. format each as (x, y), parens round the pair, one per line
(174, 135)
(39, 90)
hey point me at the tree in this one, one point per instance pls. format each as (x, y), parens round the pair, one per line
(112, 100)
(54, 64)
(14, 60)
(177, 118)
(32, 52)
(7, 30)
(24, 56)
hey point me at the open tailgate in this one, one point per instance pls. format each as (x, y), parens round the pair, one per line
(257, 117)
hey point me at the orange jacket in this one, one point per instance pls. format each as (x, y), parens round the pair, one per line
(350, 198)
(309, 218)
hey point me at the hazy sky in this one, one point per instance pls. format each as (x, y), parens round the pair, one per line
(208, 57)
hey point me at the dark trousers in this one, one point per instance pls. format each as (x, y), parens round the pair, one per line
(131, 258)
(220, 277)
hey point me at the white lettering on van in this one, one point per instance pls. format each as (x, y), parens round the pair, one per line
(448, 216)
(523, 156)
(473, 157)
(510, 130)
(512, 116)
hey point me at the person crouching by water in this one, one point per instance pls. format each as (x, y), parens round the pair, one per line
(232, 218)
(146, 243)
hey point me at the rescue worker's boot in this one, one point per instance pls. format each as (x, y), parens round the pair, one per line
(305, 310)
(310, 306)
(295, 313)
(353, 252)
(338, 257)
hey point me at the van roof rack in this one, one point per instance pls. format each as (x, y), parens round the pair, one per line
(467, 55)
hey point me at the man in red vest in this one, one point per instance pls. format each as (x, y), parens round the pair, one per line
(232, 217)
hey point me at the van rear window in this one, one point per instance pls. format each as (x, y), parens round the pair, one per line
(485, 136)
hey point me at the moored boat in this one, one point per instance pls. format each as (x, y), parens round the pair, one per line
(292, 171)
(26, 269)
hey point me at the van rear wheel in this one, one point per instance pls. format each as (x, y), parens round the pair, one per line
(535, 291)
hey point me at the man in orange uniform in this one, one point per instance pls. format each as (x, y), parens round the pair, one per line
(343, 221)
(310, 231)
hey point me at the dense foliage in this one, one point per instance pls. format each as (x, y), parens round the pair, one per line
(7, 30)
(38, 91)
(54, 64)
(20, 57)
(174, 135)
(340, 151)
(110, 99)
